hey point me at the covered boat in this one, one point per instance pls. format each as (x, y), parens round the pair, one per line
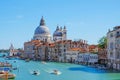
(7, 75)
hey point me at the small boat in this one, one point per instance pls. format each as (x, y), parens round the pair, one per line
(7, 75)
(14, 61)
(43, 62)
(56, 72)
(11, 76)
(14, 68)
(27, 60)
(35, 73)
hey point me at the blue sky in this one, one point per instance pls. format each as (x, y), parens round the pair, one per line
(84, 19)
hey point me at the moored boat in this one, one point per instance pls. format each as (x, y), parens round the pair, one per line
(7, 75)
(27, 60)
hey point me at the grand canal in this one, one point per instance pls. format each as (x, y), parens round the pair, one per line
(68, 71)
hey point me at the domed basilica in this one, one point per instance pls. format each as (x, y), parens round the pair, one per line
(42, 33)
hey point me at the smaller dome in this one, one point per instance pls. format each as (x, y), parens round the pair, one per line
(58, 34)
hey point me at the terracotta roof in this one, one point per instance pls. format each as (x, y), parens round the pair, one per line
(52, 45)
(93, 46)
(63, 41)
(33, 42)
(78, 49)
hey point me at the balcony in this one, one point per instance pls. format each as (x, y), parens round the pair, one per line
(117, 34)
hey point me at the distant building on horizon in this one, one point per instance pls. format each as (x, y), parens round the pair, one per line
(12, 50)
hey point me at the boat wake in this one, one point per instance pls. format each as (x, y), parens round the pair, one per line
(53, 71)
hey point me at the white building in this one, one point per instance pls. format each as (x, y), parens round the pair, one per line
(113, 48)
(89, 58)
(29, 49)
(60, 48)
(93, 58)
(12, 51)
(71, 56)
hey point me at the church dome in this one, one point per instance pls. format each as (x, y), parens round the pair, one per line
(58, 34)
(42, 28)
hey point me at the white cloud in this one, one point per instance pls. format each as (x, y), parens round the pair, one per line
(74, 23)
(19, 16)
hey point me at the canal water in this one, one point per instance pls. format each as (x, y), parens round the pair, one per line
(68, 71)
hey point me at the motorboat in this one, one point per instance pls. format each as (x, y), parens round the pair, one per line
(35, 73)
(6, 75)
(43, 62)
(56, 72)
(14, 68)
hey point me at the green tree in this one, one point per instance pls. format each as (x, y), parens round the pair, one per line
(102, 43)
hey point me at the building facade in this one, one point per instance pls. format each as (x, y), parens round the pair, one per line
(75, 48)
(87, 58)
(30, 48)
(113, 48)
(12, 51)
(71, 56)
(102, 57)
